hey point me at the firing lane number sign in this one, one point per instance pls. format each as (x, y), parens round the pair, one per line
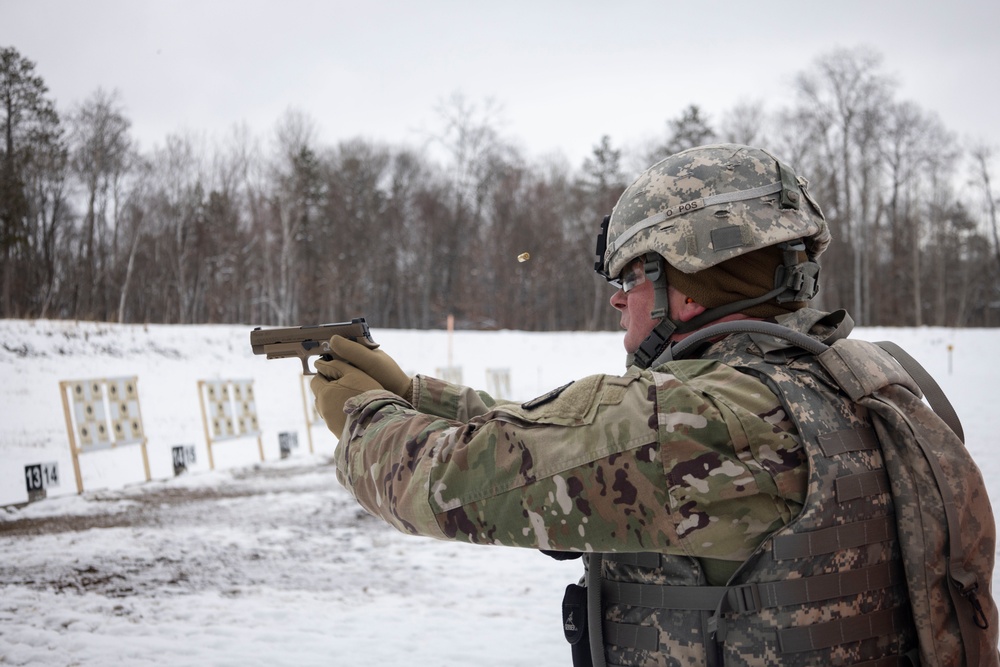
(41, 476)
(183, 457)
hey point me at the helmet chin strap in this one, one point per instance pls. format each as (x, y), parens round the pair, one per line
(794, 280)
(659, 338)
(653, 346)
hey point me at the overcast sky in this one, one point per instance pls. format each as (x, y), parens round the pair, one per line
(565, 73)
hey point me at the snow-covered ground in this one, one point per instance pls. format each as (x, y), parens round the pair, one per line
(272, 563)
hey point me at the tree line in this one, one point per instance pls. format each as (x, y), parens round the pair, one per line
(284, 230)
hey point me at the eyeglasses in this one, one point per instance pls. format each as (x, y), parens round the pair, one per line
(631, 276)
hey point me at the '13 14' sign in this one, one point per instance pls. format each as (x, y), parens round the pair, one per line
(41, 476)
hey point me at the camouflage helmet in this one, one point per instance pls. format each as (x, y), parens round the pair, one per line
(708, 204)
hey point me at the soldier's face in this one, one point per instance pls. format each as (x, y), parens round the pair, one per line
(635, 306)
(637, 303)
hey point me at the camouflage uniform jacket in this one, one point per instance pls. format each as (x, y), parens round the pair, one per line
(827, 588)
(698, 459)
(695, 459)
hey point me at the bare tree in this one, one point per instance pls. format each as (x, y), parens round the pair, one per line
(177, 214)
(982, 156)
(101, 150)
(842, 96)
(601, 184)
(745, 123)
(690, 129)
(357, 232)
(303, 232)
(31, 138)
(132, 224)
(47, 185)
(914, 146)
(477, 159)
(902, 156)
(244, 177)
(946, 221)
(292, 204)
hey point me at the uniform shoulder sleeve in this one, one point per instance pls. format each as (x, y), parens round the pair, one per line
(734, 464)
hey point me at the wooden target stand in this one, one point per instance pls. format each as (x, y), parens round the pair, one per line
(102, 413)
(313, 418)
(228, 412)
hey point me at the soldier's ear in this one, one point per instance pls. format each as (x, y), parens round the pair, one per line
(689, 309)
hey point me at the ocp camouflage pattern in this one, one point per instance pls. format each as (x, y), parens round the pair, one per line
(580, 469)
(698, 460)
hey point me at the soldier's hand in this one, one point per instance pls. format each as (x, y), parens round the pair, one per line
(376, 363)
(333, 385)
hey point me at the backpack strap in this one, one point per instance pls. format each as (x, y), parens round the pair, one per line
(935, 396)
(595, 613)
(940, 494)
(925, 383)
(683, 348)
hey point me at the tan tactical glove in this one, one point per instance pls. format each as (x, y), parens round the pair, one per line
(376, 363)
(334, 383)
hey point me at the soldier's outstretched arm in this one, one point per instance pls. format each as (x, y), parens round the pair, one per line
(604, 464)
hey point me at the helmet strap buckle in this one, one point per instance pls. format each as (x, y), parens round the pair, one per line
(800, 279)
(654, 344)
(656, 274)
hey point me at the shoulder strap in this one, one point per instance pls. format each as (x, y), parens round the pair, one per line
(940, 496)
(683, 348)
(935, 396)
(930, 388)
(595, 613)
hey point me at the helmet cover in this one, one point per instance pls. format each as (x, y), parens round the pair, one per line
(708, 204)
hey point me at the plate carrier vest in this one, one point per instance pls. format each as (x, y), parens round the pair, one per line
(828, 588)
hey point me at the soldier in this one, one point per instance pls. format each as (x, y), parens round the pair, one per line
(684, 481)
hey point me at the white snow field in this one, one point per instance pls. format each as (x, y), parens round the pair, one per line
(272, 563)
